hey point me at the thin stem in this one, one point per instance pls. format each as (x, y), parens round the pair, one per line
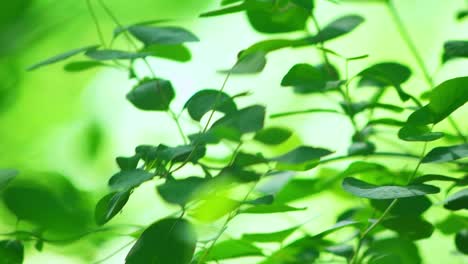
(96, 22)
(115, 252)
(225, 225)
(354, 259)
(179, 127)
(419, 60)
(218, 97)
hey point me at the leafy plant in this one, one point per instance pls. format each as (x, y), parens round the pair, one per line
(250, 181)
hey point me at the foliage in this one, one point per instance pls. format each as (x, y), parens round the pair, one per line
(392, 214)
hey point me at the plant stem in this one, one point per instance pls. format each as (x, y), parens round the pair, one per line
(96, 22)
(179, 127)
(354, 259)
(419, 60)
(225, 225)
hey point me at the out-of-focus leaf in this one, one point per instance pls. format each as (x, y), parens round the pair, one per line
(277, 236)
(49, 202)
(229, 249)
(249, 63)
(6, 176)
(361, 148)
(276, 17)
(461, 241)
(11, 252)
(457, 201)
(455, 49)
(169, 240)
(411, 206)
(413, 228)
(225, 10)
(402, 251)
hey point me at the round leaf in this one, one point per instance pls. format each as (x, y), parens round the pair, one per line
(152, 95)
(169, 240)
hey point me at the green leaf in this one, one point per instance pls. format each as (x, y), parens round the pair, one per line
(225, 11)
(152, 95)
(455, 49)
(271, 209)
(462, 14)
(386, 74)
(151, 35)
(246, 120)
(343, 250)
(446, 154)
(306, 78)
(178, 53)
(267, 199)
(204, 101)
(169, 240)
(338, 226)
(180, 191)
(11, 252)
(249, 63)
(444, 99)
(307, 4)
(301, 158)
(335, 29)
(49, 202)
(214, 207)
(6, 176)
(273, 135)
(457, 201)
(268, 45)
(403, 251)
(434, 177)
(278, 236)
(128, 163)
(104, 55)
(109, 206)
(413, 228)
(62, 57)
(418, 133)
(452, 224)
(239, 174)
(410, 206)
(79, 66)
(229, 249)
(129, 179)
(243, 159)
(461, 241)
(276, 17)
(361, 148)
(366, 190)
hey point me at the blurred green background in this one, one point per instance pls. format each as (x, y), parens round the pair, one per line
(63, 130)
